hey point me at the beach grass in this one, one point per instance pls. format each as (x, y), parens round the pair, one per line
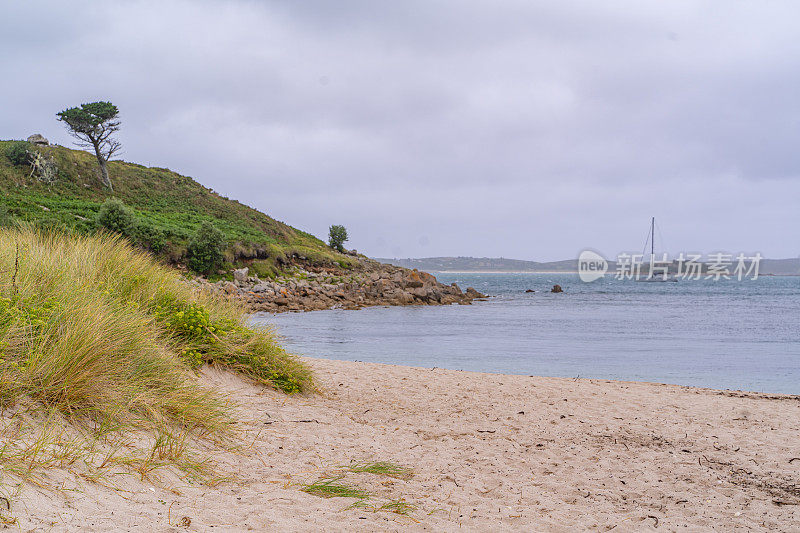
(333, 488)
(98, 340)
(382, 468)
(398, 506)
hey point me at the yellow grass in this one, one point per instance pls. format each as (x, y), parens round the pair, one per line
(100, 333)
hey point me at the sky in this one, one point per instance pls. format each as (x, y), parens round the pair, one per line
(520, 129)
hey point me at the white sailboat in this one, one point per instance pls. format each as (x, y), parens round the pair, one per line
(665, 276)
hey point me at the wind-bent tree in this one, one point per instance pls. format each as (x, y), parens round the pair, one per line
(94, 125)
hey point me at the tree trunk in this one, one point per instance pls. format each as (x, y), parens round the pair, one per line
(103, 168)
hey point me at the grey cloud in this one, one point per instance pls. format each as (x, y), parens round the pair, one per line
(511, 128)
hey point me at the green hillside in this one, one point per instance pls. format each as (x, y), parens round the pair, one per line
(163, 201)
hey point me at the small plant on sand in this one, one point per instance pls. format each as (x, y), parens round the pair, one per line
(382, 468)
(332, 488)
(399, 506)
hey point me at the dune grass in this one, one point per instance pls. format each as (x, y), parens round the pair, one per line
(333, 488)
(382, 468)
(99, 333)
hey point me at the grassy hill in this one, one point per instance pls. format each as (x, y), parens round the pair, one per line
(162, 200)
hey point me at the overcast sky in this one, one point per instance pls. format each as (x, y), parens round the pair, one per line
(519, 129)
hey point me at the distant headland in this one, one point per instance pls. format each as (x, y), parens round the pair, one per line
(775, 267)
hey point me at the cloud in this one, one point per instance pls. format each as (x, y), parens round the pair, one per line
(467, 128)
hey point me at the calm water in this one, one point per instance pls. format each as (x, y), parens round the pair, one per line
(728, 335)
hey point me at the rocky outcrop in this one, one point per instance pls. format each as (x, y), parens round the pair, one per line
(313, 288)
(38, 140)
(556, 288)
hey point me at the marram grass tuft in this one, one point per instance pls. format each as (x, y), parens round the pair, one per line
(96, 329)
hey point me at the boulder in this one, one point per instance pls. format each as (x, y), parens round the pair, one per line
(420, 292)
(472, 293)
(229, 288)
(530, 290)
(38, 140)
(240, 274)
(556, 288)
(405, 298)
(262, 287)
(413, 280)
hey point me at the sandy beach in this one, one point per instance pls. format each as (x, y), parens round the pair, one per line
(488, 453)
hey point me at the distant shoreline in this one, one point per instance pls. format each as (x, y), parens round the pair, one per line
(503, 271)
(500, 265)
(555, 272)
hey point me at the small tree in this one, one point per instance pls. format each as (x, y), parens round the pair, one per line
(17, 153)
(206, 249)
(94, 125)
(115, 216)
(337, 236)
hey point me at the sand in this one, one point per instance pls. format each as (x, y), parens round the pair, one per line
(489, 453)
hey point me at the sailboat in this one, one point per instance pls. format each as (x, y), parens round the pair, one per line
(651, 236)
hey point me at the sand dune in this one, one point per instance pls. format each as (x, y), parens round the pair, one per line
(489, 453)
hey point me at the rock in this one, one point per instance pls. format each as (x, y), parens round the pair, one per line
(229, 288)
(38, 140)
(405, 298)
(419, 292)
(472, 293)
(240, 274)
(556, 288)
(413, 280)
(262, 287)
(530, 290)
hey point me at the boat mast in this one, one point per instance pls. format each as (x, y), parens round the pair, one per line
(652, 236)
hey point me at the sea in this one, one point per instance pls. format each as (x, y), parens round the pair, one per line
(726, 334)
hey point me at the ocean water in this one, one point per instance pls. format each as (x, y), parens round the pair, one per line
(741, 335)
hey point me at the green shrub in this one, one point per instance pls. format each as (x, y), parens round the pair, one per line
(115, 216)
(150, 237)
(17, 153)
(206, 249)
(5, 217)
